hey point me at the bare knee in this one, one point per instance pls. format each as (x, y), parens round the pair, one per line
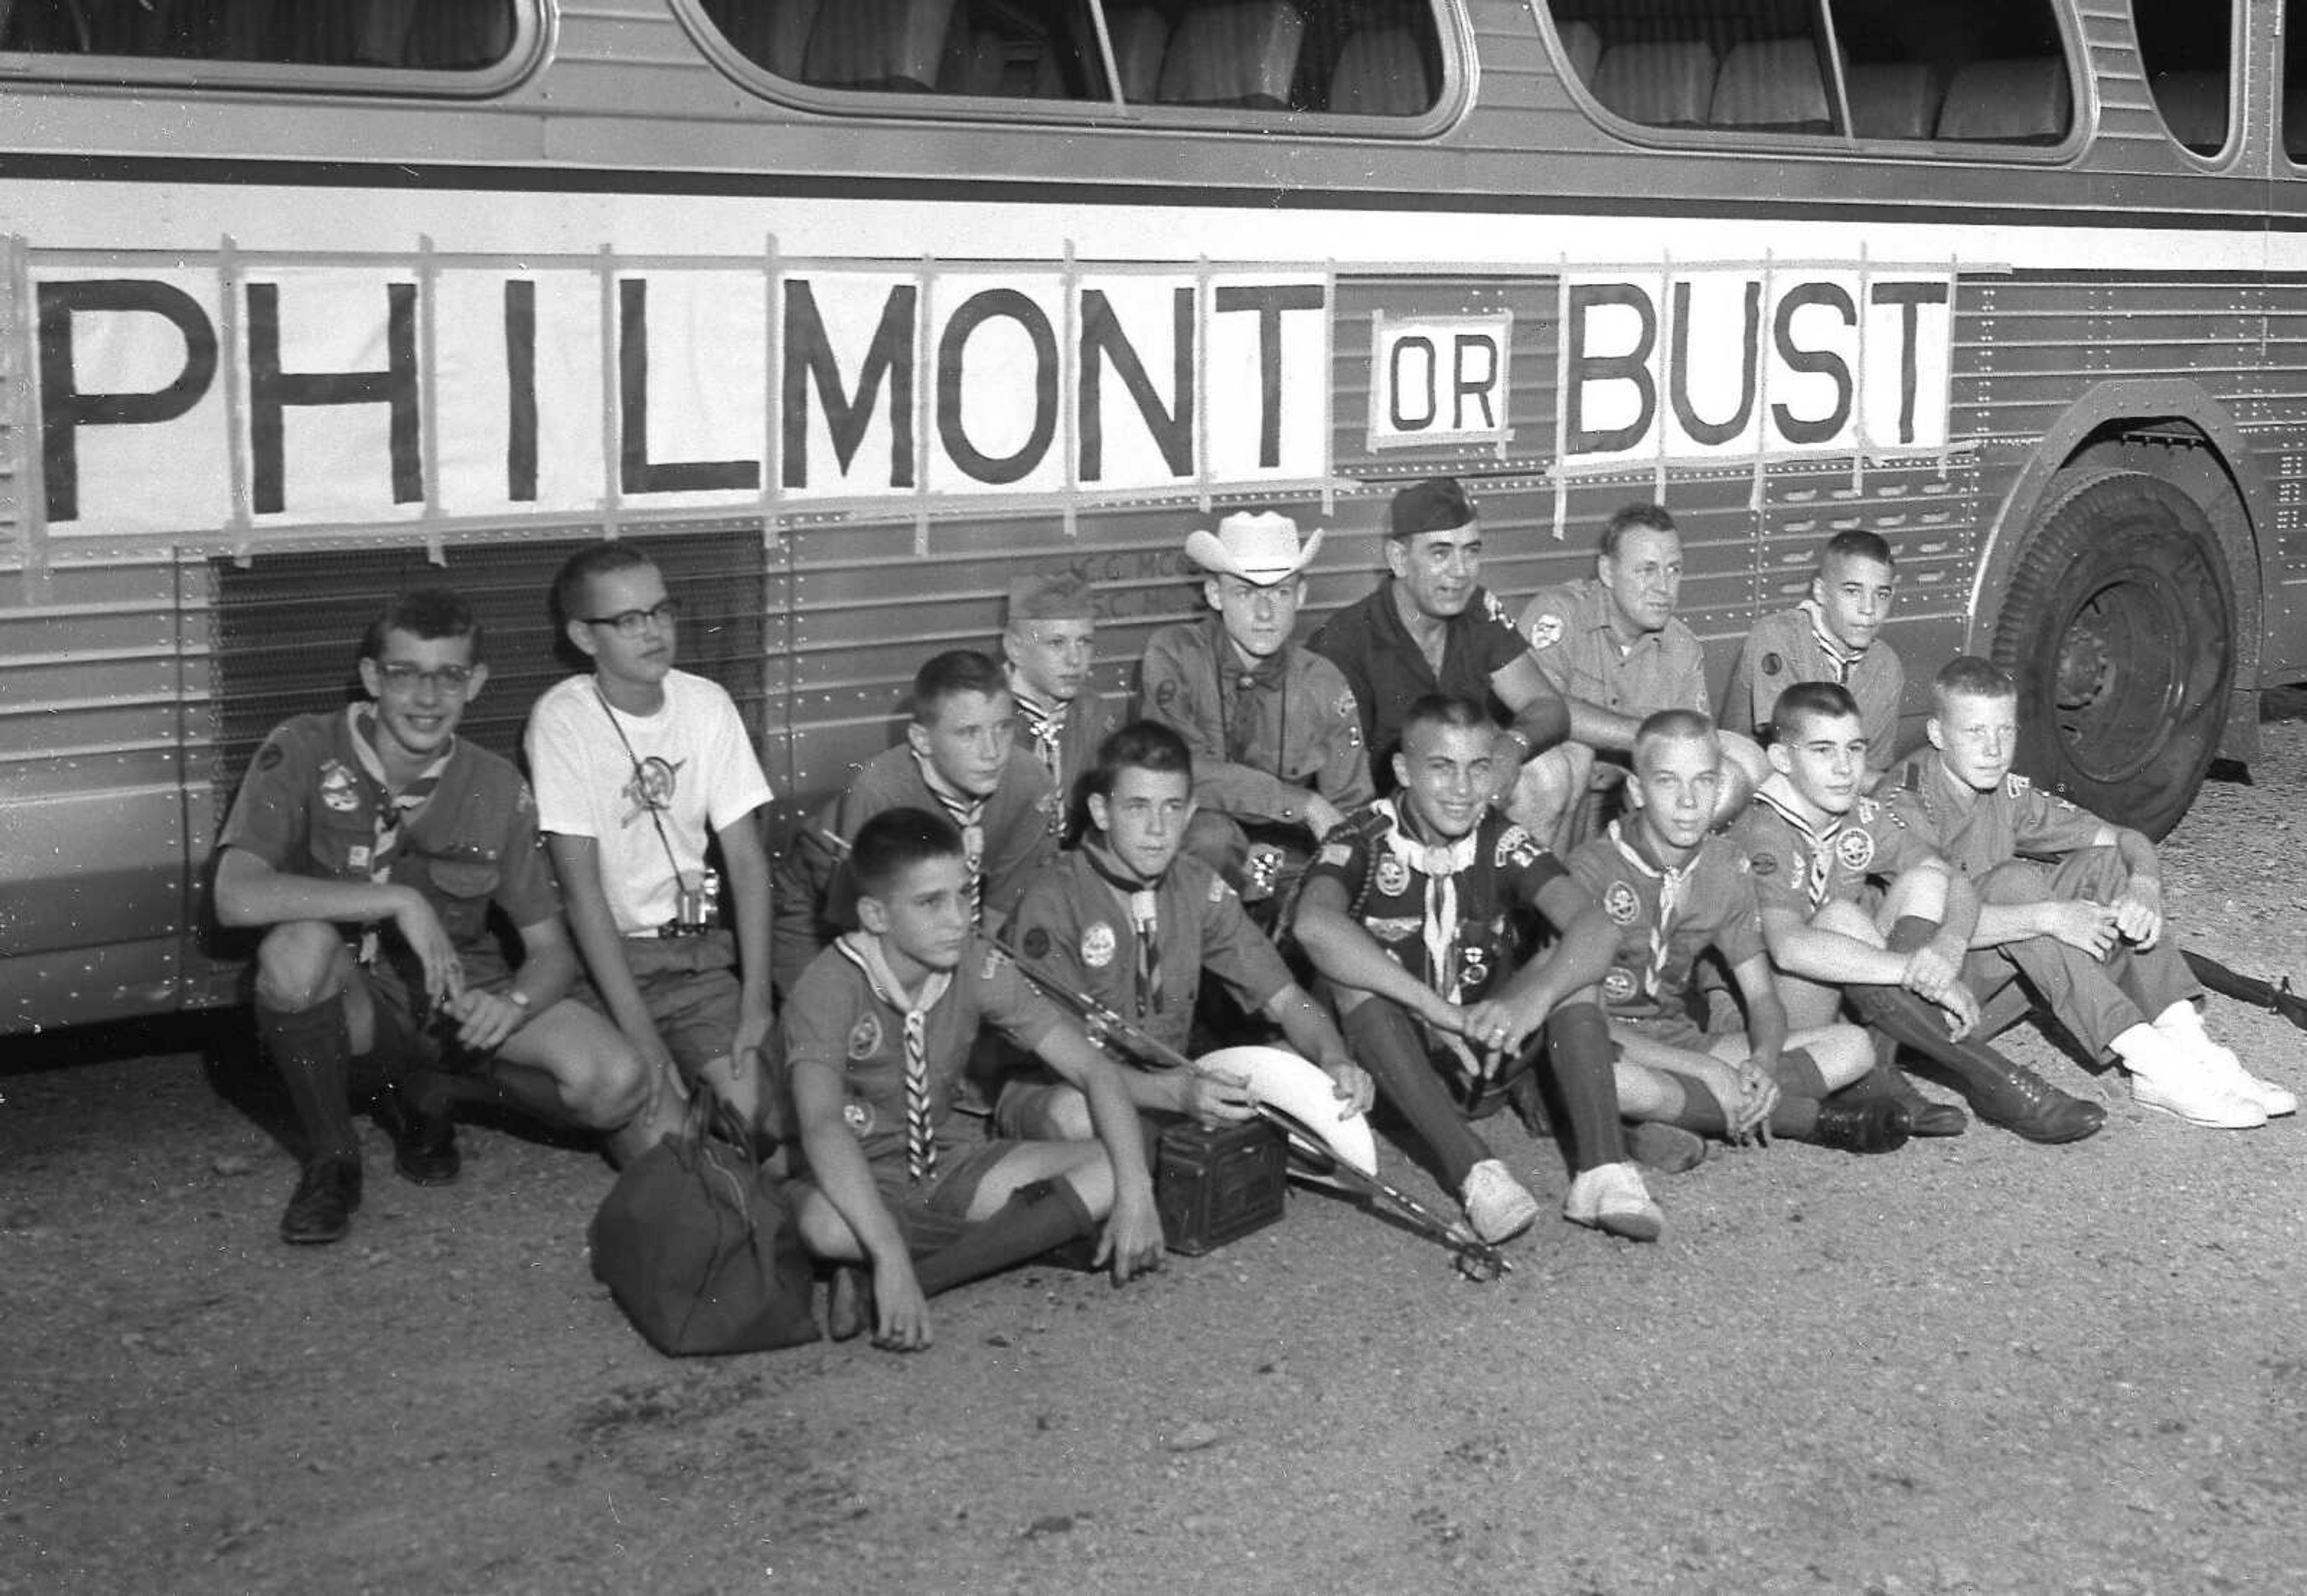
(1092, 1180)
(1841, 1052)
(299, 964)
(604, 1084)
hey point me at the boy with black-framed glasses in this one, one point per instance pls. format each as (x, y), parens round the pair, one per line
(640, 766)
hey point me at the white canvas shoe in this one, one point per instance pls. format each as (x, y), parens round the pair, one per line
(1612, 1198)
(2199, 1096)
(2227, 1068)
(1498, 1205)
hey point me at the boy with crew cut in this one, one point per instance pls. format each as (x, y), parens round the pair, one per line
(960, 760)
(370, 842)
(1407, 911)
(1834, 635)
(1049, 647)
(1124, 918)
(638, 765)
(1814, 848)
(876, 1032)
(1673, 891)
(2084, 933)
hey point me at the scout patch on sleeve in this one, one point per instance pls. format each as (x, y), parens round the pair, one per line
(865, 1039)
(1546, 632)
(1097, 945)
(1037, 943)
(1166, 694)
(1764, 864)
(1855, 849)
(2016, 784)
(269, 755)
(1621, 905)
(1772, 664)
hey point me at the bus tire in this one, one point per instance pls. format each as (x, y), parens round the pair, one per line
(2119, 628)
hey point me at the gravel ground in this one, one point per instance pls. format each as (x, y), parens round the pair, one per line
(1975, 1366)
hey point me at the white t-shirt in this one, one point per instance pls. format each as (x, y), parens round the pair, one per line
(696, 769)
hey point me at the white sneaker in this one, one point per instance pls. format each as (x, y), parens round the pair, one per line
(2227, 1069)
(1498, 1205)
(2200, 1096)
(1612, 1198)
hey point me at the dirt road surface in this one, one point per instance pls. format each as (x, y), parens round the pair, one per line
(1974, 1365)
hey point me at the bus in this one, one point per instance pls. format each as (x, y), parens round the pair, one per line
(854, 309)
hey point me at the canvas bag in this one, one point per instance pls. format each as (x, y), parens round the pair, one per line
(697, 1244)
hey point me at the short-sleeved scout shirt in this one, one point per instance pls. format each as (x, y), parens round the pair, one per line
(1665, 918)
(1499, 866)
(1975, 831)
(1570, 635)
(1784, 649)
(1260, 736)
(1078, 925)
(1797, 866)
(1389, 672)
(308, 807)
(838, 1016)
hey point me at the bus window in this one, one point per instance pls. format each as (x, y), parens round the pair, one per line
(399, 35)
(2295, 81)
(2183, 45)
(1353, 58)
(1966, 70)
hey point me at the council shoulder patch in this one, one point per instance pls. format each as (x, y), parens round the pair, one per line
(1514, 846)
(1546, 632)
(1097, 945)
(994, 961)
(1620, 904)
(2016, 784)
(864, 1037)
(1867, 808)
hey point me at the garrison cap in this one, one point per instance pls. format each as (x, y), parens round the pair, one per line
(1437, 504)
(1051, 595)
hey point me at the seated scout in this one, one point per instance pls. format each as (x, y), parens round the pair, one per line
(1408, 912)
(1834, 635)
(637, 767)
(1432, 628)
(1673, 891)
(2085, 935)
(371, 841)
(1610, 645)
(875, 1034)
(1275, 731)
(1125, 919)
(1814, 846)
(958, 759)
(1048, 649)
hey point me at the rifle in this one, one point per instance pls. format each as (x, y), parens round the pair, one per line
(2276, 997)
(1477, 1259)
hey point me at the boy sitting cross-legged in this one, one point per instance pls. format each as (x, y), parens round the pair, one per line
(1125, 919)
(876, 1030)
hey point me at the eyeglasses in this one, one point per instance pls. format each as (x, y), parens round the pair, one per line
(631, 623)
(402, 677)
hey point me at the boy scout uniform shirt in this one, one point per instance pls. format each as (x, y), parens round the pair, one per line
(1578, 650)
(1794, 867)
(1260, 734)
(308, 808)
(1504, 868)
(837, 1018)
(1783, 650)
(1388, 670)
(1078, 924)
(1064, 740)
(1990, 828)
(1665, 918)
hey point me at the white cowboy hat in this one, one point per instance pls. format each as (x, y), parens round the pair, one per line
(1303, 1091)
(1260, 548)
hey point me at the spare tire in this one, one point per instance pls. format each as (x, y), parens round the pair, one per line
(2119, 628)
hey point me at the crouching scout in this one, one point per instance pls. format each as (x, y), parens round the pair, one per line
(1408, 912)
(1126, 919)
(1672, 891)
(876, 1032)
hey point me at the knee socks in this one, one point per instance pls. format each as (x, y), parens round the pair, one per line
(1038, 1216)
(311, 1048)
(1578, 1048)
(1385, 1042)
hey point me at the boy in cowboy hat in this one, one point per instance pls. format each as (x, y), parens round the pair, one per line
(1048, 651)
(1274, 731)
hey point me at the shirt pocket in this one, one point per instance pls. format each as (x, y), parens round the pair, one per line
(462, 883)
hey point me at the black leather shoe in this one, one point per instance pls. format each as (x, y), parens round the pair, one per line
(1875, 1126)
(424, 1138)
(1927, 1118)
(321, 1209)
(1668, 1148)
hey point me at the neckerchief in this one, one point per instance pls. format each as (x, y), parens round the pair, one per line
(1821, 845)
(1840, 656)
(1239, 680)
(1144, 919)
(1673, 887)
(864, 951)
(969, 814)
(1046, 723)
(393, 810)
(1440, 864)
